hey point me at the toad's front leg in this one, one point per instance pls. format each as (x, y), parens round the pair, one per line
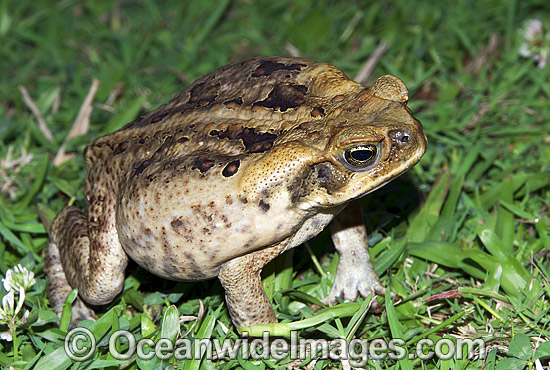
(354, 273)
(244, 293)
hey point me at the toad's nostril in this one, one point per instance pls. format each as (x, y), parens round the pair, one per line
(400, 136)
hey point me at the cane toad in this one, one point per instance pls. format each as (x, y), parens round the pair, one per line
(249, 161)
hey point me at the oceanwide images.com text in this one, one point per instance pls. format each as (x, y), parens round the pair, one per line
(80, 345)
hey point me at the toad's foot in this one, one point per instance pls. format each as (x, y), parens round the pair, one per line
(355, 274)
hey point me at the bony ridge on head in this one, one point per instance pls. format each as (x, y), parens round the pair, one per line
(389, 87)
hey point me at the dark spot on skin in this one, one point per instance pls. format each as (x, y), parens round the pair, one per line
(324, 175)
(142, 166)
(257, 142)
(158, 117)
(259, 147)
(254, 142)
(200, 211)
(300, 186)
(233, 103)
(176, 224)
(284, 97)
(167, 142)
(268, 67)
(318, 112)
(264, 206)
(162, 135)
(231, 168)
(121, 148)
(203, 163)
(179, 136)
(203, 94)
(330, 177)
(243, 200)
(226, 222)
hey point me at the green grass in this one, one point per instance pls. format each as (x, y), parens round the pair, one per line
(468, 226)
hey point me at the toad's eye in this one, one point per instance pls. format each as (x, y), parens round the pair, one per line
(360, 157)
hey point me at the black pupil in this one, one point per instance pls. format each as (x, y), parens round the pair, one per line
(362, 154)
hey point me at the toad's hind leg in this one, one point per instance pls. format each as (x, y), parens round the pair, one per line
(59, 287)
(86, 256)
